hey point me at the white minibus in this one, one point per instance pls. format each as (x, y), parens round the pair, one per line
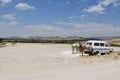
(100, 46)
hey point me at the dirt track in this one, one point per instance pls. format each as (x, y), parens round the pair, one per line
(55, 62)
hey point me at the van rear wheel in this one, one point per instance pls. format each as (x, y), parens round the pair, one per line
(91, 53)
(96, 53)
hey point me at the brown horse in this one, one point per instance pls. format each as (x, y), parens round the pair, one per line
(85, 48)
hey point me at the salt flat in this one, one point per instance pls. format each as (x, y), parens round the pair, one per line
(26, 61)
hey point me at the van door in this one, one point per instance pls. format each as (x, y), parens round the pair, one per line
(102, 48)
(96, 47)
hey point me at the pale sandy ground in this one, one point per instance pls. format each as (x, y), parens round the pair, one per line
(55, 62)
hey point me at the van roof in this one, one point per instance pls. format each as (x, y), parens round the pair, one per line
(99, 41)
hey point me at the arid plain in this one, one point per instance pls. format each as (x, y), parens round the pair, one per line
(27, 61)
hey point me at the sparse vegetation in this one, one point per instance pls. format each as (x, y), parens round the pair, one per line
(2, 43)
(114, 42)
(116, 45)
(53, 39)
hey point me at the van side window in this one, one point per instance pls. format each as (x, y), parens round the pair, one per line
(96, 44)
(89, 44)
(101, 44)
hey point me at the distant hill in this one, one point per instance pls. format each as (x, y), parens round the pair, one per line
(107, 37)
(42, 39)
(57, 38)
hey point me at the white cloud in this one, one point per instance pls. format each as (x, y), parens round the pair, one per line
(3, 2)
(107, 2)
(101, 6)
(78, 29)
(13, 23)
(41, 27)
(9, 20)
(99, 9)
(9, 16)
(24, 6)
(67, 2)
(75, 17)
(92, 29)
(67, 29)
(44, 30)
(38, 27)
(117, 4)
(8, 24)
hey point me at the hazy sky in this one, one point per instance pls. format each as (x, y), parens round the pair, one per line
(86, 18)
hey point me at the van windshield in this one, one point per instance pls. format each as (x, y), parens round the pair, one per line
(107, 45)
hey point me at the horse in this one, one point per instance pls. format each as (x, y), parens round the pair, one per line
(75, 48)
(82, 48)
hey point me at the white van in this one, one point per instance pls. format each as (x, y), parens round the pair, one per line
(100, 46)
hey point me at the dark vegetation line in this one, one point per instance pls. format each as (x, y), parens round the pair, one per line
(43, 41)
(115, 45)
(25, 40)
(55, 39)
